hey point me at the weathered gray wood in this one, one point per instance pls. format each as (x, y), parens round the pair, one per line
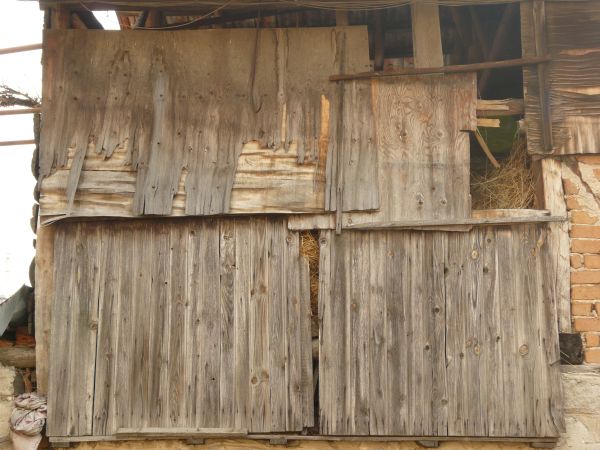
(167, 353)
(257, 142)
(562, 117)
(470, 341)
(18, 356)
(422, 148)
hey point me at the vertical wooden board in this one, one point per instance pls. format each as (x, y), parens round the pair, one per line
(357, 260)
(139, 387)
(306, 360)
(242, 289)
(426, 34)
(193, 320)
(44, 298)
(126, 322)
(84, 332)
(227, 393)
(111, 254)
(377, 346)
(398, 304)
(160, 299)
(208, 327)
(281, 362)
(60, 378)
(179, 349)
(437, 331)
(260, 405)
(492, 385)
(291, 310)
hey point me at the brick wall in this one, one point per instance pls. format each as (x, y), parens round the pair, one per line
(581, 181)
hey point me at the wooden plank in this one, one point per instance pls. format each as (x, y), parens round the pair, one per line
(460, 68)
(260, 405)
(495, 108)
(423, 156)
(426, 34)
(464, 338)
(44, 297)
(282, 168)
(306, 359)
(227, 388)
(558, 240)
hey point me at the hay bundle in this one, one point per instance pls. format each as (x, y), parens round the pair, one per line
(309, 248)
(509, 187)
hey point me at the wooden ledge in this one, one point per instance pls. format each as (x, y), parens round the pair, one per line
(478, 218)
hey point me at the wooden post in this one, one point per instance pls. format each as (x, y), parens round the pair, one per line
(60, 18)
(558, 240)
(426, 33)
(539, 26)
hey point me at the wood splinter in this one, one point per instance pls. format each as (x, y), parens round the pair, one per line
(486, 149)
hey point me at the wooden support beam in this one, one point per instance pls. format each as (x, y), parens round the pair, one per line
(202, 433)
(558, 240)
(17, 356)
(539, 26)
(379, 40)
(22, 48)
(341, 18)
(499, 39)
(486, 149)
(22, 142)
(89, 20)
(60, 18)
(14, 112)
(444, 69)
(488, 123)
(426, 32)
(481, 39)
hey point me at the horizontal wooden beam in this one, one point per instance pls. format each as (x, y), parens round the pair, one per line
(153, 432)
(496, 108)
(23, 142)
(444, 69)
(14, 112)
(18, 356)
(22, 48)
(314, 439)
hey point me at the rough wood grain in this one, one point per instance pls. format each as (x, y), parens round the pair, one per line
(423, 150)
(572, 89)
(225, 136)
(426, 33)
(200, 324)
(470, 342)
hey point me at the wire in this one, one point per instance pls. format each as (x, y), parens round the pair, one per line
(191, 22)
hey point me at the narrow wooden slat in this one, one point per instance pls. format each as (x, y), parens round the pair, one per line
(426, 34)
(306, 360)
(260, 407)
(227, 388)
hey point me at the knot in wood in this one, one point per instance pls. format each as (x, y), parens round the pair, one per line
(523, 350)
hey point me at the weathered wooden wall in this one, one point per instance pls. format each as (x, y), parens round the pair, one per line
(431, 333)
(569, 33)
(166, 116)
(185, 324)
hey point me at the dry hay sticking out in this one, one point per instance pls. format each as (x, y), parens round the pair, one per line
(509, 187)
(309, 248)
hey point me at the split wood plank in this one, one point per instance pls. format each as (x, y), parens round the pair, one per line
(426, 34)
(167, 354)
(264, 143)
(471, 344)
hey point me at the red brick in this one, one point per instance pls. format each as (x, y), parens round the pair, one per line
(576, 261)
(572, 203)
(582, 308)
(585, 231)
(589, 159)
(587, 324)
(585, 292)
(591, 261)
(585, 277)
(592, 355)
(585, 246)
(570, 187)
(592, 340)
(583, 217)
